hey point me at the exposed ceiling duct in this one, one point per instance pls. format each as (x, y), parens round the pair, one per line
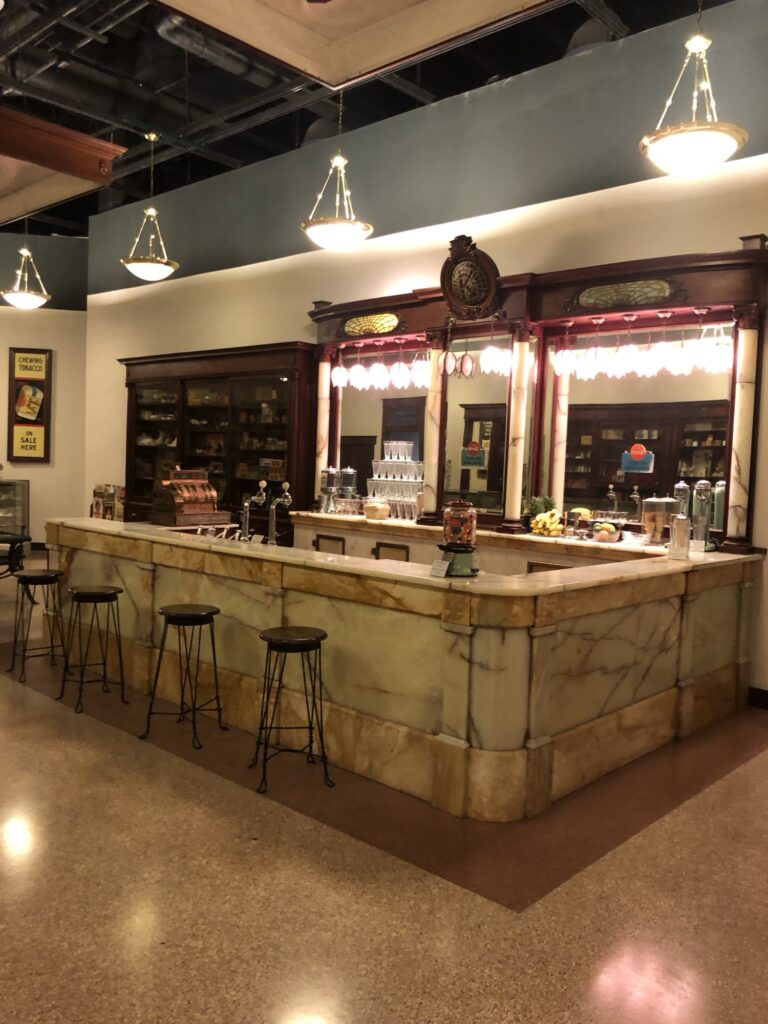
(587, 36)
(175, 29)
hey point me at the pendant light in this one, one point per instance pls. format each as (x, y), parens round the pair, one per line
(694, 147)
(20, 294)
(343, 231)
(153, 265)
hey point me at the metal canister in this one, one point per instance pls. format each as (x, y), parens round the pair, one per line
(348, 482)
(657, 515)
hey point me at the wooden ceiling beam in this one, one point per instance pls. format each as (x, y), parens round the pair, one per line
(59, 149)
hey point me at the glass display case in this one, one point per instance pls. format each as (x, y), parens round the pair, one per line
(14, 506)
(243, 415)
(261, 415)
(688, 439)
(155, 435)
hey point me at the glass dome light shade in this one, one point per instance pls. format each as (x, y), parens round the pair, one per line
(337, 234)
(490, 359)
(446, 362)
(150, 268)
(693, 147)
(421, 373)
(358, 377)
(339, 376)
(25, 300)
(400, 375)
(466, 365)
(378, 375)
(154, 265)
(21, 295)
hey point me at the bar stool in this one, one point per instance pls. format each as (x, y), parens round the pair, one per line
(189, 620)
(28, 583)
(282, 641)
(98, 628)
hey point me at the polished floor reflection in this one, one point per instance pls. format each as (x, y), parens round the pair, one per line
(141, 885)
(137, 887)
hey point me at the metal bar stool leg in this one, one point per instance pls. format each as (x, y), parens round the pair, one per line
(16, 625)
(71, 623)
(219, 711)
(84, 658)
(114, 609)
(28, 602)
(264, 708)
(317, 704)
(193, 651)
(144, 735)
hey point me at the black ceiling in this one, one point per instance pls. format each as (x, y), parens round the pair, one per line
(121, 69)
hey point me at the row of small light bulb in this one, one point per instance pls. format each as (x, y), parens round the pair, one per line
(706, 354)
(380, 377)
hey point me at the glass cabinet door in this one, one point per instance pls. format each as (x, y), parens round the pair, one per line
(260, 415)
(206, 423)
(14, 506)
(155, 436)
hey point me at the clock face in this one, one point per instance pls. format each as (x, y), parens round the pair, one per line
(469, 282)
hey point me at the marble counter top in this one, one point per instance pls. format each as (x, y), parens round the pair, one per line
(640, 568)
(403, 530)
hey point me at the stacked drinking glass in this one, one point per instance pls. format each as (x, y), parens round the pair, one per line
(398, 480)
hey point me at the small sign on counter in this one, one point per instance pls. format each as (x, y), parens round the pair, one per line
(439, 568)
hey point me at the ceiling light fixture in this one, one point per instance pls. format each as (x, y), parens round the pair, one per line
(20, 294)
(152, 266)
(343, 231)
(694, 147)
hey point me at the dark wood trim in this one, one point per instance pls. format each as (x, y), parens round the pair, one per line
(758, 698)
(59, 149)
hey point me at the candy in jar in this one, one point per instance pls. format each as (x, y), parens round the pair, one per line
(460, 523)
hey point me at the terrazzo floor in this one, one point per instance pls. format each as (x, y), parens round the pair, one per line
(138, 887)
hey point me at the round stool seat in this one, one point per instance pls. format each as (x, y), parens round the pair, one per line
(36, 577)
(294, 639)
(95, 595)
(188, 614)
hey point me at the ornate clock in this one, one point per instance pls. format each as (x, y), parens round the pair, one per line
(470, 281)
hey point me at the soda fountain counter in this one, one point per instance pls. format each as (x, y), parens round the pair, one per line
(489, 696)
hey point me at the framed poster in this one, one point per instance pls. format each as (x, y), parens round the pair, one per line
(30, 385)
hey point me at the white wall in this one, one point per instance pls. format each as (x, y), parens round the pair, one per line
(56, 488)
(269, 301)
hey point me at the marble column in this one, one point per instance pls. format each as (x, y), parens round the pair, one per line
(743, 422)
(432, 438)
(323, 420)
(517, 413)
(335, 455)
(559, 438)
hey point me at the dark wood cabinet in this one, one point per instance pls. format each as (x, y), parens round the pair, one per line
(244, 414)
(689, 441)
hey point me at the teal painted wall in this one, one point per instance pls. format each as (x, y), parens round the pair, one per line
(565, 129)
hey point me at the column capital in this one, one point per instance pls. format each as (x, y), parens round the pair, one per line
(747, 316)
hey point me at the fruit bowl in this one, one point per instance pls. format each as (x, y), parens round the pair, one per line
(606, 533)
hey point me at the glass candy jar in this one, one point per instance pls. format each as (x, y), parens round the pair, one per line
(460, 524)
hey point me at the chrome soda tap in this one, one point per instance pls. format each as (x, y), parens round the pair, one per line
(635, 499)
(255, 499)
(613, 497)
(284, 499)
